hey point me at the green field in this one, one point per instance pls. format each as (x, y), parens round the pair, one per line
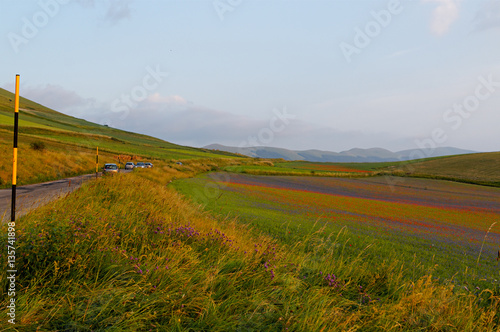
(304, 168)
(479, 168)
(439, 225)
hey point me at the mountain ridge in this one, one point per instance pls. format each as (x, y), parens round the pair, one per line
(376, 154)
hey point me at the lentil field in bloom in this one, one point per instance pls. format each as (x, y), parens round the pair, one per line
(324, 167)
(450, 228)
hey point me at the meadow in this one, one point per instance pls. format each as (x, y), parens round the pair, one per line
(128, 253)
(477, 168)
(451, 229)
(276, 167)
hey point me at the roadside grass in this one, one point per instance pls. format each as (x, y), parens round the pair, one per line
(126, 252)
(54, 161)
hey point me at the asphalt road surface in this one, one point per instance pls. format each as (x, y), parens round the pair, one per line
(31, 196)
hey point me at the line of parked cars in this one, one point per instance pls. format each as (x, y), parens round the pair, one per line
(113, 168)
(140, 164)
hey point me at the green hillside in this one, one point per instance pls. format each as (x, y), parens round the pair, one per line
(478, 168)
(70, 143)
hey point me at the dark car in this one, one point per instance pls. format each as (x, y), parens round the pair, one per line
(140, 164)
(148, 165)
(110, 168)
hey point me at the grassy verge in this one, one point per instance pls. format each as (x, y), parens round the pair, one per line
(128, 253)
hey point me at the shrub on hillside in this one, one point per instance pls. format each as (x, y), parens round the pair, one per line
(37, 146)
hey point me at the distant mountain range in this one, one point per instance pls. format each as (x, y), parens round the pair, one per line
(353, 155)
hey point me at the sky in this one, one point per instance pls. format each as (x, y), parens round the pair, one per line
(310, 74)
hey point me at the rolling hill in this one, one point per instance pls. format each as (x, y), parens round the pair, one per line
(70, 143)
(477, 168)
(353, 155)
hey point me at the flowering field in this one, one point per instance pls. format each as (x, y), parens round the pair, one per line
(452, 227)
(325, 167)
(305, 168)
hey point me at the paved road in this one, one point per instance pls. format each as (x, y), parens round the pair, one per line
(34, 195)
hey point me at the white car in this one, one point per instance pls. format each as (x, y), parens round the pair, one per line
(129, 165)
(110, 168)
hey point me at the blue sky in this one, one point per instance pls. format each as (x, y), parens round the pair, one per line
(330, 75)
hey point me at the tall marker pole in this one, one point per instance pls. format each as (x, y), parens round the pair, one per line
(14, 160)
(97, 162)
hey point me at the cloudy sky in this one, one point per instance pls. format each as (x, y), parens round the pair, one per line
(310, 74)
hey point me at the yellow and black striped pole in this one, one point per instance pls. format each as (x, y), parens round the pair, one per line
(14, 160)
(97, 162)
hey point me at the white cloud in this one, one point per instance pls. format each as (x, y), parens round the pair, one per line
(54, 96)
(176, 120)
(156, 98)
(443, 16)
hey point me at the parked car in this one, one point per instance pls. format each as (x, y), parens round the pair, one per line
(129, 165)
(140, 164)
(110, 168)
(149, 165)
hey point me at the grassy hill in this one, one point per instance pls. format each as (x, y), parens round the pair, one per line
(70, 143)
(478, 168)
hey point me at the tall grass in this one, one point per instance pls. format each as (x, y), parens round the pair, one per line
(55, 161)
(128, 253)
